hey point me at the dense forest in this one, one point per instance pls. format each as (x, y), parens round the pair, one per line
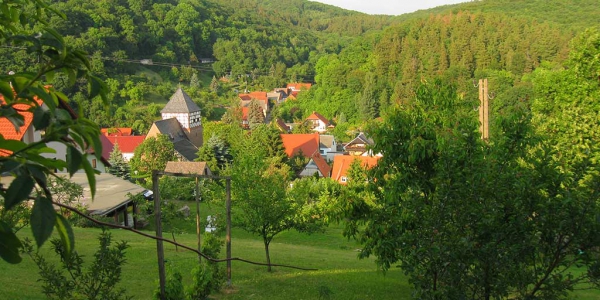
(361, 64)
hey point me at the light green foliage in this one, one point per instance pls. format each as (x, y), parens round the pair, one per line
(74, 281)
(207, 276)
(317, 201)
(152, 154)
(467, 219)
(28, 163)
(215, 152)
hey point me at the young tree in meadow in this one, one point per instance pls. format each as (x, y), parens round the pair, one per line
(259, 197)
(152, 154)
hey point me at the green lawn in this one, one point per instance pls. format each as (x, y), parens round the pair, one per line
(335, 257)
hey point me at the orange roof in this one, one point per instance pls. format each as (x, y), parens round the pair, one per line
(341, 164)
(116, 131)
(7, 129)
(317, 116)
(308, 143)
(127, 144)
(296, 86)
(324, 168)
(254, 95)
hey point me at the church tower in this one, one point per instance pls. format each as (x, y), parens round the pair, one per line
(181, 107)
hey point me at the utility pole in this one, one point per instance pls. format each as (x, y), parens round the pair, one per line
(484, 109)
(159, 243)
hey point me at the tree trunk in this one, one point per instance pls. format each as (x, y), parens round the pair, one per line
(268, 256)
(173, 235)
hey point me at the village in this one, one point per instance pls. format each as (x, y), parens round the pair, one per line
(324, 157)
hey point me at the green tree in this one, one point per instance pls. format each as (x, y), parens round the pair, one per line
(194, 81)
(259, 195)
(255, 114)
(467, 219)
(98, 281)
(215, 152)
(118, 166)
(21, 92)
(214, 85)
(152, 154)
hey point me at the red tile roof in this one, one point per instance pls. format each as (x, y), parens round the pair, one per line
(127, 144)
(341, 164)
(296, 86)
(116, 131)
(308, 143)
(317, 116)
(254, 95)
(324, 168)
(7, 129)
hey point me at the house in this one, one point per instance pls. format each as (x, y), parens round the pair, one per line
(318, 165)
(306, 144)
(359, 146)
(113, 197)
(28, 134)
(342, 163)
(116, 131)
(297, 86)
(261, 97)
(127, 144)
(328, 147)
(184, 149)
(280, 124)
(318, 122)
(181, 122)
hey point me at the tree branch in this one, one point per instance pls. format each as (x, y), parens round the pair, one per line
(175, 243)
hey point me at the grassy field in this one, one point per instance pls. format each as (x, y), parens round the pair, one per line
(339, 273)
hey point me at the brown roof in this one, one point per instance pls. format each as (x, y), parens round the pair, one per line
(188, 167)
(317, 116)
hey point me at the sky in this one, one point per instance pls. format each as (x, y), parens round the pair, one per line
(388, 7)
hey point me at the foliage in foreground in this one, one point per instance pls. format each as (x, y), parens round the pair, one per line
(27, 94)
(468, 219)
(73, 281)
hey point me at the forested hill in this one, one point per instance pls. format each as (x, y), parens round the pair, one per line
(360, 63)
(571, 14)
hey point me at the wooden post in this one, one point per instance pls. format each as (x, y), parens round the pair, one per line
(125, 218)
(228, 229)
(480, 85)
(198, 220)
(159, 244)
(486, 114)
(134, 212)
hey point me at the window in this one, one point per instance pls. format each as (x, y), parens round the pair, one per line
(344, 178)
(94, 163)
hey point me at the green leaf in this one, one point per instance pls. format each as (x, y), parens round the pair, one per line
(59, 39)
(6, 90)
(41, 119)
(9, 244)
(66, 234)
(18, 191)
(11, 145)
(43, 218)
(91, 175)
(38, 173)
(74, 159)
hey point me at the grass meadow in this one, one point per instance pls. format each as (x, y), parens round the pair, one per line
(340, 274)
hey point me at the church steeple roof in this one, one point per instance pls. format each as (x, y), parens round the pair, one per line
(180, 102)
